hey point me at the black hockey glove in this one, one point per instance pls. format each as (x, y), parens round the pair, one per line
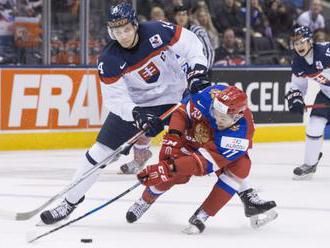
(146, 120)
(197, 79)
(295, 101)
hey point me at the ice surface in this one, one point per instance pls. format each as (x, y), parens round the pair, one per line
(29, 178)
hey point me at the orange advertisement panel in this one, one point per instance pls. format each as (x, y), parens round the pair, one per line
(54, 99)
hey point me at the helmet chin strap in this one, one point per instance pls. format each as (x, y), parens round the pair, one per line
(308, 51)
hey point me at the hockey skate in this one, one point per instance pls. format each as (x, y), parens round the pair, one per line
(196, 223)
(137, 163)
(259, 211)
(305, 172)
(137, 210)
(58, 213)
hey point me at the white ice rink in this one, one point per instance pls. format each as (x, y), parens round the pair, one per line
(28, 179)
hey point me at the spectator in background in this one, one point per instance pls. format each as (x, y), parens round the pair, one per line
(312, 18)
(57, 51)
(8, 5)
(200, 4)
(66, 15)
(142, 18)
(203, 18)
(182, 19)
(259, 20)
(320, 36)
(229, 16)
(280, 18)
(298, 5)
(231, 51)
(157, 14)
(7, 54)
(33, 8)
(168, 6)
(144, 8)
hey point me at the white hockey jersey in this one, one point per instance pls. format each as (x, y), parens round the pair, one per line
(151, 73)
(319, 70)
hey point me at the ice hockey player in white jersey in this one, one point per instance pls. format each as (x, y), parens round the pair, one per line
(141, 77)
(310, 62)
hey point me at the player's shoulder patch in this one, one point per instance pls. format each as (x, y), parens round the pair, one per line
(156, 41)
(234, 143)
(160, 33)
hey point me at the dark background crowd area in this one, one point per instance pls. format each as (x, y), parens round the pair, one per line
(223, 20)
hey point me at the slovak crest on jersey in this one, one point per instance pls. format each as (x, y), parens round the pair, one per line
(150, 73)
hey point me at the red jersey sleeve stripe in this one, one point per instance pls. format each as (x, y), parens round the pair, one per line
(176, 36)
(312, 74)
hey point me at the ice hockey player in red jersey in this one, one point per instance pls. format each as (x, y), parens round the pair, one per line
(142, 76)
(211, 133)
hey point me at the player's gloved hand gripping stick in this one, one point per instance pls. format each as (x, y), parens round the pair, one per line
(5, 214)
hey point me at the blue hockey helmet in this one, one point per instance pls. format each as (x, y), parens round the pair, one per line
(301, 32)
(122, 14)
(299, 35)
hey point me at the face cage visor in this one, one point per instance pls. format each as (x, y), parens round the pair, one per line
(219, 112)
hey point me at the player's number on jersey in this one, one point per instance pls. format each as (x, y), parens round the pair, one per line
(167, 25)
(100, 67)
(327, 53)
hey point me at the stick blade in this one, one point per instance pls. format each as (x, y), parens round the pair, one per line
(26, 215)
(7, 215)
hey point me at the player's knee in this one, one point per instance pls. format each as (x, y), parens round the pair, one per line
(315, 127)
(240, 168)
(228, 182)
(97, 153)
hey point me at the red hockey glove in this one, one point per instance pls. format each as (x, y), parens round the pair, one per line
(155, 174)
(171, 147)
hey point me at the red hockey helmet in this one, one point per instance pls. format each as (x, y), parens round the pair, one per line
(230, 101)
(228, 106)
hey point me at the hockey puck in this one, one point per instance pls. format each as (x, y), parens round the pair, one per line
(86, 240)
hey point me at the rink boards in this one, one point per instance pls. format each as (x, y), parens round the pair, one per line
(56, 108)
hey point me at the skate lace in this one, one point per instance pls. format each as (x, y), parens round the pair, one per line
(61, 210)
(139, 208)
(254, 198)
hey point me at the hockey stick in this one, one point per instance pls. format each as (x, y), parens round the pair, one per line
(30, 237)
(317, 106)
(9, 215)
